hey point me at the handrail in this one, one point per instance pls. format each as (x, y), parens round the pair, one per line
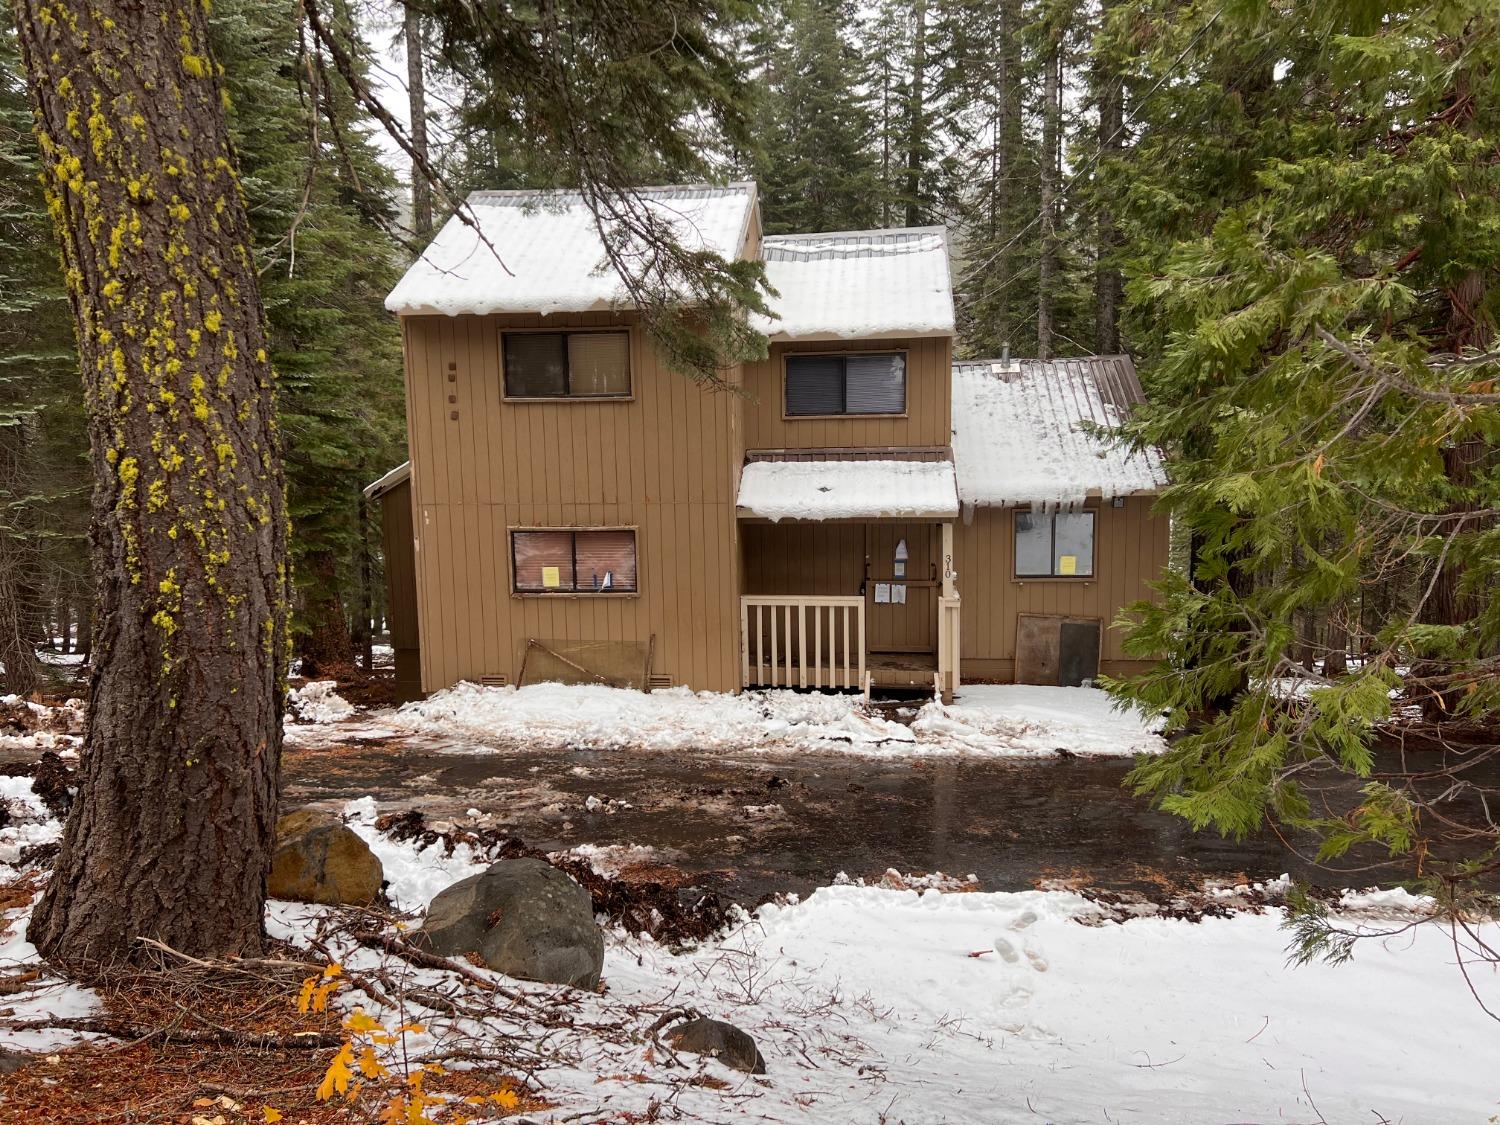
(790, 629)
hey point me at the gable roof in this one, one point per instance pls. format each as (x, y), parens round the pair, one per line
(851, 284)
(551, 250)
(1018, 436)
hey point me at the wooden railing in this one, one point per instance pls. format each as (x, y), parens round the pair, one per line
(949, 648)
(805, 642)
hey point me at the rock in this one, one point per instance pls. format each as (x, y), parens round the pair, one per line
(723, 1041)
(320, 859)
(524, 918)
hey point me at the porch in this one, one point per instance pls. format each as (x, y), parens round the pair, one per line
(848, 583)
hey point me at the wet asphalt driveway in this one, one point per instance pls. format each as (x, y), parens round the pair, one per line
(752, 826)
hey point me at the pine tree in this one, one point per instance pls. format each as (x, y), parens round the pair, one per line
(1318, 322)
(816, 168)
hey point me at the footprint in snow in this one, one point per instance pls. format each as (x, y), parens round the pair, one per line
(1007, 951)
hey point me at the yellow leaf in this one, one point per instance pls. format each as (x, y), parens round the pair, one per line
(393, 1111)
(271, 1115)
(369, 1065)
(360, 1022)
(505, 1099)
(336, 1078)
(333, 970)
(414, 1028)
(304, 998)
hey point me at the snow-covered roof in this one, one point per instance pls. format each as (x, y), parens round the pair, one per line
(833, 489)
(378, 488)
(1018, 436)
(858, 284)
(550, 252)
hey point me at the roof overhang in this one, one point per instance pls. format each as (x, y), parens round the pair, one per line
(378, 488)
(833, 489)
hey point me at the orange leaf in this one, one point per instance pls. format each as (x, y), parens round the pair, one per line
(336, 1078)
(271, 1115)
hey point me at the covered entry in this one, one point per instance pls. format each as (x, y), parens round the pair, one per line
(847, 572)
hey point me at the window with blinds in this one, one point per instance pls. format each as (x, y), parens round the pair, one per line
(566, 364)
(573, 562)
(845, 384)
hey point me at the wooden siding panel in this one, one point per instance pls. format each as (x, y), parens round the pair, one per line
(1130, 549)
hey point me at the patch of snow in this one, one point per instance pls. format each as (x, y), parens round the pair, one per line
(1026, 721)
(413, 874)
(834, 489)
(611, 859)
(318, 702)
(589, 716)
(31, 823)
(50, 997)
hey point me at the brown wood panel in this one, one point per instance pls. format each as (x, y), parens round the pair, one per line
(662, 461)
(1130, 550)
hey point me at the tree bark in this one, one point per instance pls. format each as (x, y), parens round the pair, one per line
(172, 832)
(1108, 286)
(416, 93)
(1047, 265)
(916, 119)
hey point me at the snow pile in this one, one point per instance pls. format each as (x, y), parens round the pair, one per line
(30, 823)
(545, 254)
(1025, 721)
(318, 701)
(611, 859)
(1018, 435)
(49, 997)
(587, 716)
(833, 489)
(859, 283)
(28, 725)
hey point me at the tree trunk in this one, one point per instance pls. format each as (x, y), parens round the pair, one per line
(416, 92)
(326, 647)
(916, 119)
(1108, 285)
(1047, 265)
(172, 832)
(85, 645)
(364, 641)
(1007, 130)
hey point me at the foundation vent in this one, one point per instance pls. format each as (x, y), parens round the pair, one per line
(494, 681)
(659, 681)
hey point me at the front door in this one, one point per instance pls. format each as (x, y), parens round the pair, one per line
(901, 614)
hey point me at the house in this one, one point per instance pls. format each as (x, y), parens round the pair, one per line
(866, 512)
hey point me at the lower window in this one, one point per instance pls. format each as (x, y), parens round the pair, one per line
(1056, 546)
(548, 561)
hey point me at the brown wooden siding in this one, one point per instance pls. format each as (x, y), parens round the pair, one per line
(1130, 550)
(929, 377)
(664, 462)
(401, 586)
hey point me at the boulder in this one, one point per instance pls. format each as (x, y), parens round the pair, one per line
(320, 859)
(723, 1041)
(524, 918)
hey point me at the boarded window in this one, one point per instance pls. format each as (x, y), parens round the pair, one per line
(845, 384)
(1055, 546)
(574, 562)
(567, 364)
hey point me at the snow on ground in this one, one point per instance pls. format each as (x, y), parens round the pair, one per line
(991, 721)
(1029, 721)
(873, 1005)
(49, 997)
(30, 823)
(413, 874)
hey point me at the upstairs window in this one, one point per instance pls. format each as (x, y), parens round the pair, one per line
(547, 561)
(567, 364)
(1055, 546)
(823, 385)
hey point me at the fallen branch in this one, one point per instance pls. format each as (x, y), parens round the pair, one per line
(423, 959)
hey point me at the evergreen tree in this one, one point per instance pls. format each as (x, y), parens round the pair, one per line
(1320, 324)
(816, 168)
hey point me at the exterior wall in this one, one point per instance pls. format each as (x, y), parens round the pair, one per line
(1130, 549)
(664, 462)
(401, 587)
(929, 399)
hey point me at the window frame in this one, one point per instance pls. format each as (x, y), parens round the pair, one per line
(510, 563)
(1052, 575)
(628, 333)
(844, 356)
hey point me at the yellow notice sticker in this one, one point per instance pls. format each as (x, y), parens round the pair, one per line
(1067, 564)
(551, 577)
